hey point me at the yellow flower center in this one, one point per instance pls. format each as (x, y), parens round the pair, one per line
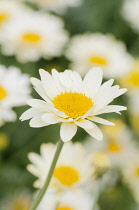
(98, 60)
(18, 205)
(73, 105)
(133, 79)
(113, 147)
(3, 17)
(3, 93)
(63, 208)
(137, 171)
(31, 38)
(4, 141)
(66, 175)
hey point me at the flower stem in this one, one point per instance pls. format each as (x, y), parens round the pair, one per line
(49, 176)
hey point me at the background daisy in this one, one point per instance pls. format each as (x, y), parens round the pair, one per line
(130, 12)
(118, 144)
(74, 201)
(14, 91)
(73, 162)
(29, 42)
(95, 49)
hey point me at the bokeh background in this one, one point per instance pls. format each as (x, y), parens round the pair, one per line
(17, 139)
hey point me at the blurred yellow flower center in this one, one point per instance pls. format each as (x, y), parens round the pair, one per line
(134, 79)
(74, 105)
(32, 38)
(113, 147)
(3, 17)
(98, 60)
(3, 93)
(137, 171)
(66, 175)
(100, 160)
(3, 141)
(63, 208)
(18, 205)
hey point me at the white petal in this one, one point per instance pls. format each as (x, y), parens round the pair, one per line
(77, 83)
(95, 132)
(111, 108)
(101, 121)
(48, 84)
(35, 159)
(105, 95)
(67, 131)
(86, 124)
(38, 86)
(29, 114)
(50, 118)
(32, 169)
(92, 81)
(65, 79)
(55, 75)
(120, 92)
(37, 122)
(39, 104)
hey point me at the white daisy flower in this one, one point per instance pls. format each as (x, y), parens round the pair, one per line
(58, 6)
(131, 174)
(10, 10)
(88, 50)
(35, 35)
(73, 102)
(118, 144)
(18, 200)
(73, 162)
(14, 91)
(78, 200)
(130, 12)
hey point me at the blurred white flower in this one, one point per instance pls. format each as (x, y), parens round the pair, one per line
(100, 161)
(19, 200)
(10, 10)
(78, 200)
(131, 173)
(72, 101)
(131, 79)
(59, 6)
(130, 12)
(33, 35)
(134, 103)
(89, 50)
(72, 170)
(118, 143)
(14, 91)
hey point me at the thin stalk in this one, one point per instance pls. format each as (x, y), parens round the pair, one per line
(49, 176)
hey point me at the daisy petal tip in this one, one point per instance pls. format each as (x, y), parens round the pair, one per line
(32, 79)
(100, 139)
(54, 69)
(41, 71)
(97, 69)
(65, 140)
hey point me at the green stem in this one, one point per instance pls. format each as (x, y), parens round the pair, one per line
(49, 176)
